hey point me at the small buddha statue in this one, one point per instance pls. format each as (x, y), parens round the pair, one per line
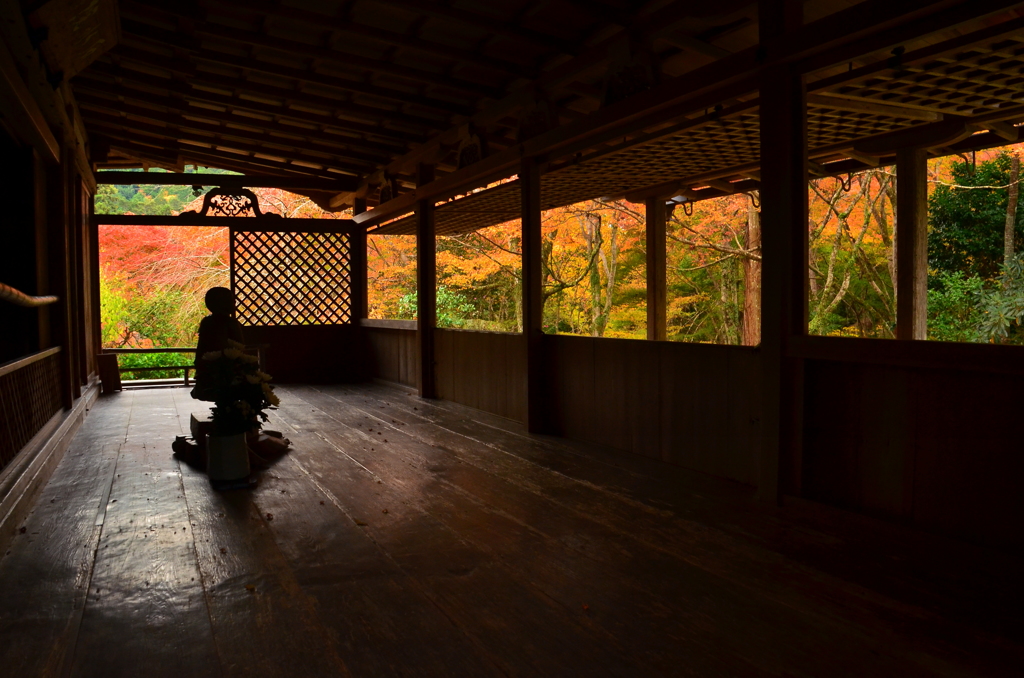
(214, 332)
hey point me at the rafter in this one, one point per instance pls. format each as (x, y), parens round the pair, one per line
(178, 121)
(332, 23)
(180, 43)
(256, 65)
(489, 25)
(184, 91)
(371, 114)
(214, 158)
(221, 33)
(175, 134)
(222, 180)
(98, 93)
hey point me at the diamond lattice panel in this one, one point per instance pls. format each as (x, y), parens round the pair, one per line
(986, 76)
(292, 278)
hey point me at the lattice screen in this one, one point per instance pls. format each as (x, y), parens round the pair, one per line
(291, 278)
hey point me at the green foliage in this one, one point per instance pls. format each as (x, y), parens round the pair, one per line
(966, 224)
(113, 310)
(453, 309)
(149, 199)
(1001, 309)
(953, 313)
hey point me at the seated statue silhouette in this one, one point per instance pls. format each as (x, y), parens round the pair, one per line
(214, 332)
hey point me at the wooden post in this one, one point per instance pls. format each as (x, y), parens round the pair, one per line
(656, 275)
(96, 330)
(80, 281)
(533, 297)
(360, 303)
(44, 285)
(426, 286)
(911, 244)
(58, 247)
(784, 281)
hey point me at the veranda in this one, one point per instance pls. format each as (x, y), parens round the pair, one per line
(546, 504)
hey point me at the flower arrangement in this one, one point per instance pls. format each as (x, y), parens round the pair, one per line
(240, 390)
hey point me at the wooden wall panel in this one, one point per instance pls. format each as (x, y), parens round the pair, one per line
(515, 376)
(318, 354)
(485, 370)
(933, 447)
(571, 377)
(693, 405)
(392, 354)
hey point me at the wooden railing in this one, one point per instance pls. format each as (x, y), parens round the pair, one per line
(186, 369)
(29, 397)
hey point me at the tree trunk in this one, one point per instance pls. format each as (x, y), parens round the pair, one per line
(1011, 211)
(751, 331)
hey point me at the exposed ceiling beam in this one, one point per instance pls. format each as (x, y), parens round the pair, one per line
(183, 43)
(255, 64)
(99, 120)
(213, 158)
(182, 90)
(370, 114)
(874, 107)
(223, 180)
(222, 33)
(178, 121)
(321, 21)
(488, 24)
(100, 94)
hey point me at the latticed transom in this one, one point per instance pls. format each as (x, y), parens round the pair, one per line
(692, 148)
(292, 278)
(972, 81)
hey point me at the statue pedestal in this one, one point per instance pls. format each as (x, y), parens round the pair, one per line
(200, 428)
(227, 458)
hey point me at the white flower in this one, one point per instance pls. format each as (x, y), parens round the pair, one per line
(212, 355)
(252, 379)
(232, 353)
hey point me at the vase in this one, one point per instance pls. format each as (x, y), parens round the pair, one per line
(227, 457)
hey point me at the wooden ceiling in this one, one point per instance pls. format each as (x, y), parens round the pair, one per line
(356, 92)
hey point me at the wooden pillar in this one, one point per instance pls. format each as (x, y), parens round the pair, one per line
(533, 298)
(911, 244)
(81, 285)
(44, 284)
(426, 286)
(60, 278)
(95, 328)
(784, 277)
(360, 305)
(656, 275)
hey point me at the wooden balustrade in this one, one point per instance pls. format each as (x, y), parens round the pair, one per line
(29, 397)
(258, 349)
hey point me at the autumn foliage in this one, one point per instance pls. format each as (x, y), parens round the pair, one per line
(594, 265)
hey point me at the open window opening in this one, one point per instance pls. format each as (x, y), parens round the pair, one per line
(851, 258)
(594, 269)
(479, 279)
(391, 277)
(975, 266)
(713, 269)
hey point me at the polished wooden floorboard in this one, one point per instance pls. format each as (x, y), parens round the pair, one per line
(404, 537)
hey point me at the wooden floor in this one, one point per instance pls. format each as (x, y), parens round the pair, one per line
(411, 538)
